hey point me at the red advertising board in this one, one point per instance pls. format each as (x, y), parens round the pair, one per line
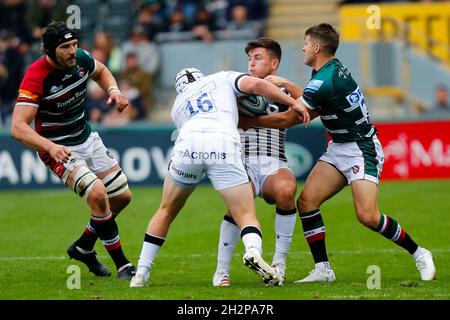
(415, 150)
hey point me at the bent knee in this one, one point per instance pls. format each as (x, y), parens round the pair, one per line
(125, 198)
(98, 199)
(285, 196)
(306, 202)
(370, 219)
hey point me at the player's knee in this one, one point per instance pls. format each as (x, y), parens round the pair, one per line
(84, 182)
(98, 199)
(307, 202)
(286, 196)
(367, 218)
(303, 203)
(116, 184)
(123, 199)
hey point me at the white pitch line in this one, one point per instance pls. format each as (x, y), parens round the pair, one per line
(403, 295)
(197, 255)
(33, 258)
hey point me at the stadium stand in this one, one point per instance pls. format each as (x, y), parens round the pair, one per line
(398, 73)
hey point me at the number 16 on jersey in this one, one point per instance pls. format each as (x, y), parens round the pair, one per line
(203, 103)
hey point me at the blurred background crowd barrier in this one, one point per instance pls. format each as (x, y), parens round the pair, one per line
(398, 51)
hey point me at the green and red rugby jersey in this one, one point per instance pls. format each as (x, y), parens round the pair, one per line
(59, 97)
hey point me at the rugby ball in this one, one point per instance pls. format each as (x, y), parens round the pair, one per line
(252, 105)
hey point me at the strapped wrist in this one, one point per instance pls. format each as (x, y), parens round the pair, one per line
(113, 89)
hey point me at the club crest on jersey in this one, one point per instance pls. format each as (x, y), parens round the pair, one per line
(81, 72)
(355, 169)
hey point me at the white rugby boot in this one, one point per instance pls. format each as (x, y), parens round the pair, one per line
(425, 264)
(280, 268)
(139, 281)
(221, 278)
(252, 259)
(319, 274)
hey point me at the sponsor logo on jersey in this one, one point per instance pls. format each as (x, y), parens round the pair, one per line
(314, 85)
(28, 96)
(109, 154)
(55, 89)
(67, 76)
(355, 97)
(343, 72)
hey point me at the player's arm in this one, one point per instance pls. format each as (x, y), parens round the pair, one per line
(256, 86)
(21, 130)
(291, 87)
(281, 120)
(107, 82)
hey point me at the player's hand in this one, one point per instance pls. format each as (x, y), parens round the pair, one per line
(119, 99)
(303, 113)
(276, 80)
(60, 153)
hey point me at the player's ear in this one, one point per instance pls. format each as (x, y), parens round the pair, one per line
(317, 47)
(275, 64)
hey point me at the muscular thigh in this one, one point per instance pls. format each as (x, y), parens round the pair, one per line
(282, 179)
(239, 200)
(365, 197)
(174, 195)
(323, 182)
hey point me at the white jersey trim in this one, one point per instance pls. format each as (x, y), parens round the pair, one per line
(35, 105)
(306, 103)
(73, 85)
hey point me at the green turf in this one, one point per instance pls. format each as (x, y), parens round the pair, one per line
(37, 227)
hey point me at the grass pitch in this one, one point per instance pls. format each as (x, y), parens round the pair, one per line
(38, 226)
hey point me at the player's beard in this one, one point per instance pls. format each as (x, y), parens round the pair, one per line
(68, 62)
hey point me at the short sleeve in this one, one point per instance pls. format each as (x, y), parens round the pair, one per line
(86, 60)
(314, 93)
(30, 90)
(235, 78)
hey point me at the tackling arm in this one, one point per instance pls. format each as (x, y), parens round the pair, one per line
(280, 120)
(291, 87)
(253, 85)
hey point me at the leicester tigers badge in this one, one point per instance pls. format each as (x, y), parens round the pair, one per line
(81, 72)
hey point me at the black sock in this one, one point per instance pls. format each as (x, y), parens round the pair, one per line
(314, 231)
(229, 219)
(108, 232)
(89, 237)
(391, 229)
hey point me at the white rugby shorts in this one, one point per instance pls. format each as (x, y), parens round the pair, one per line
(91, 153)
(362, 160)
(216, 155)
(260, 168)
